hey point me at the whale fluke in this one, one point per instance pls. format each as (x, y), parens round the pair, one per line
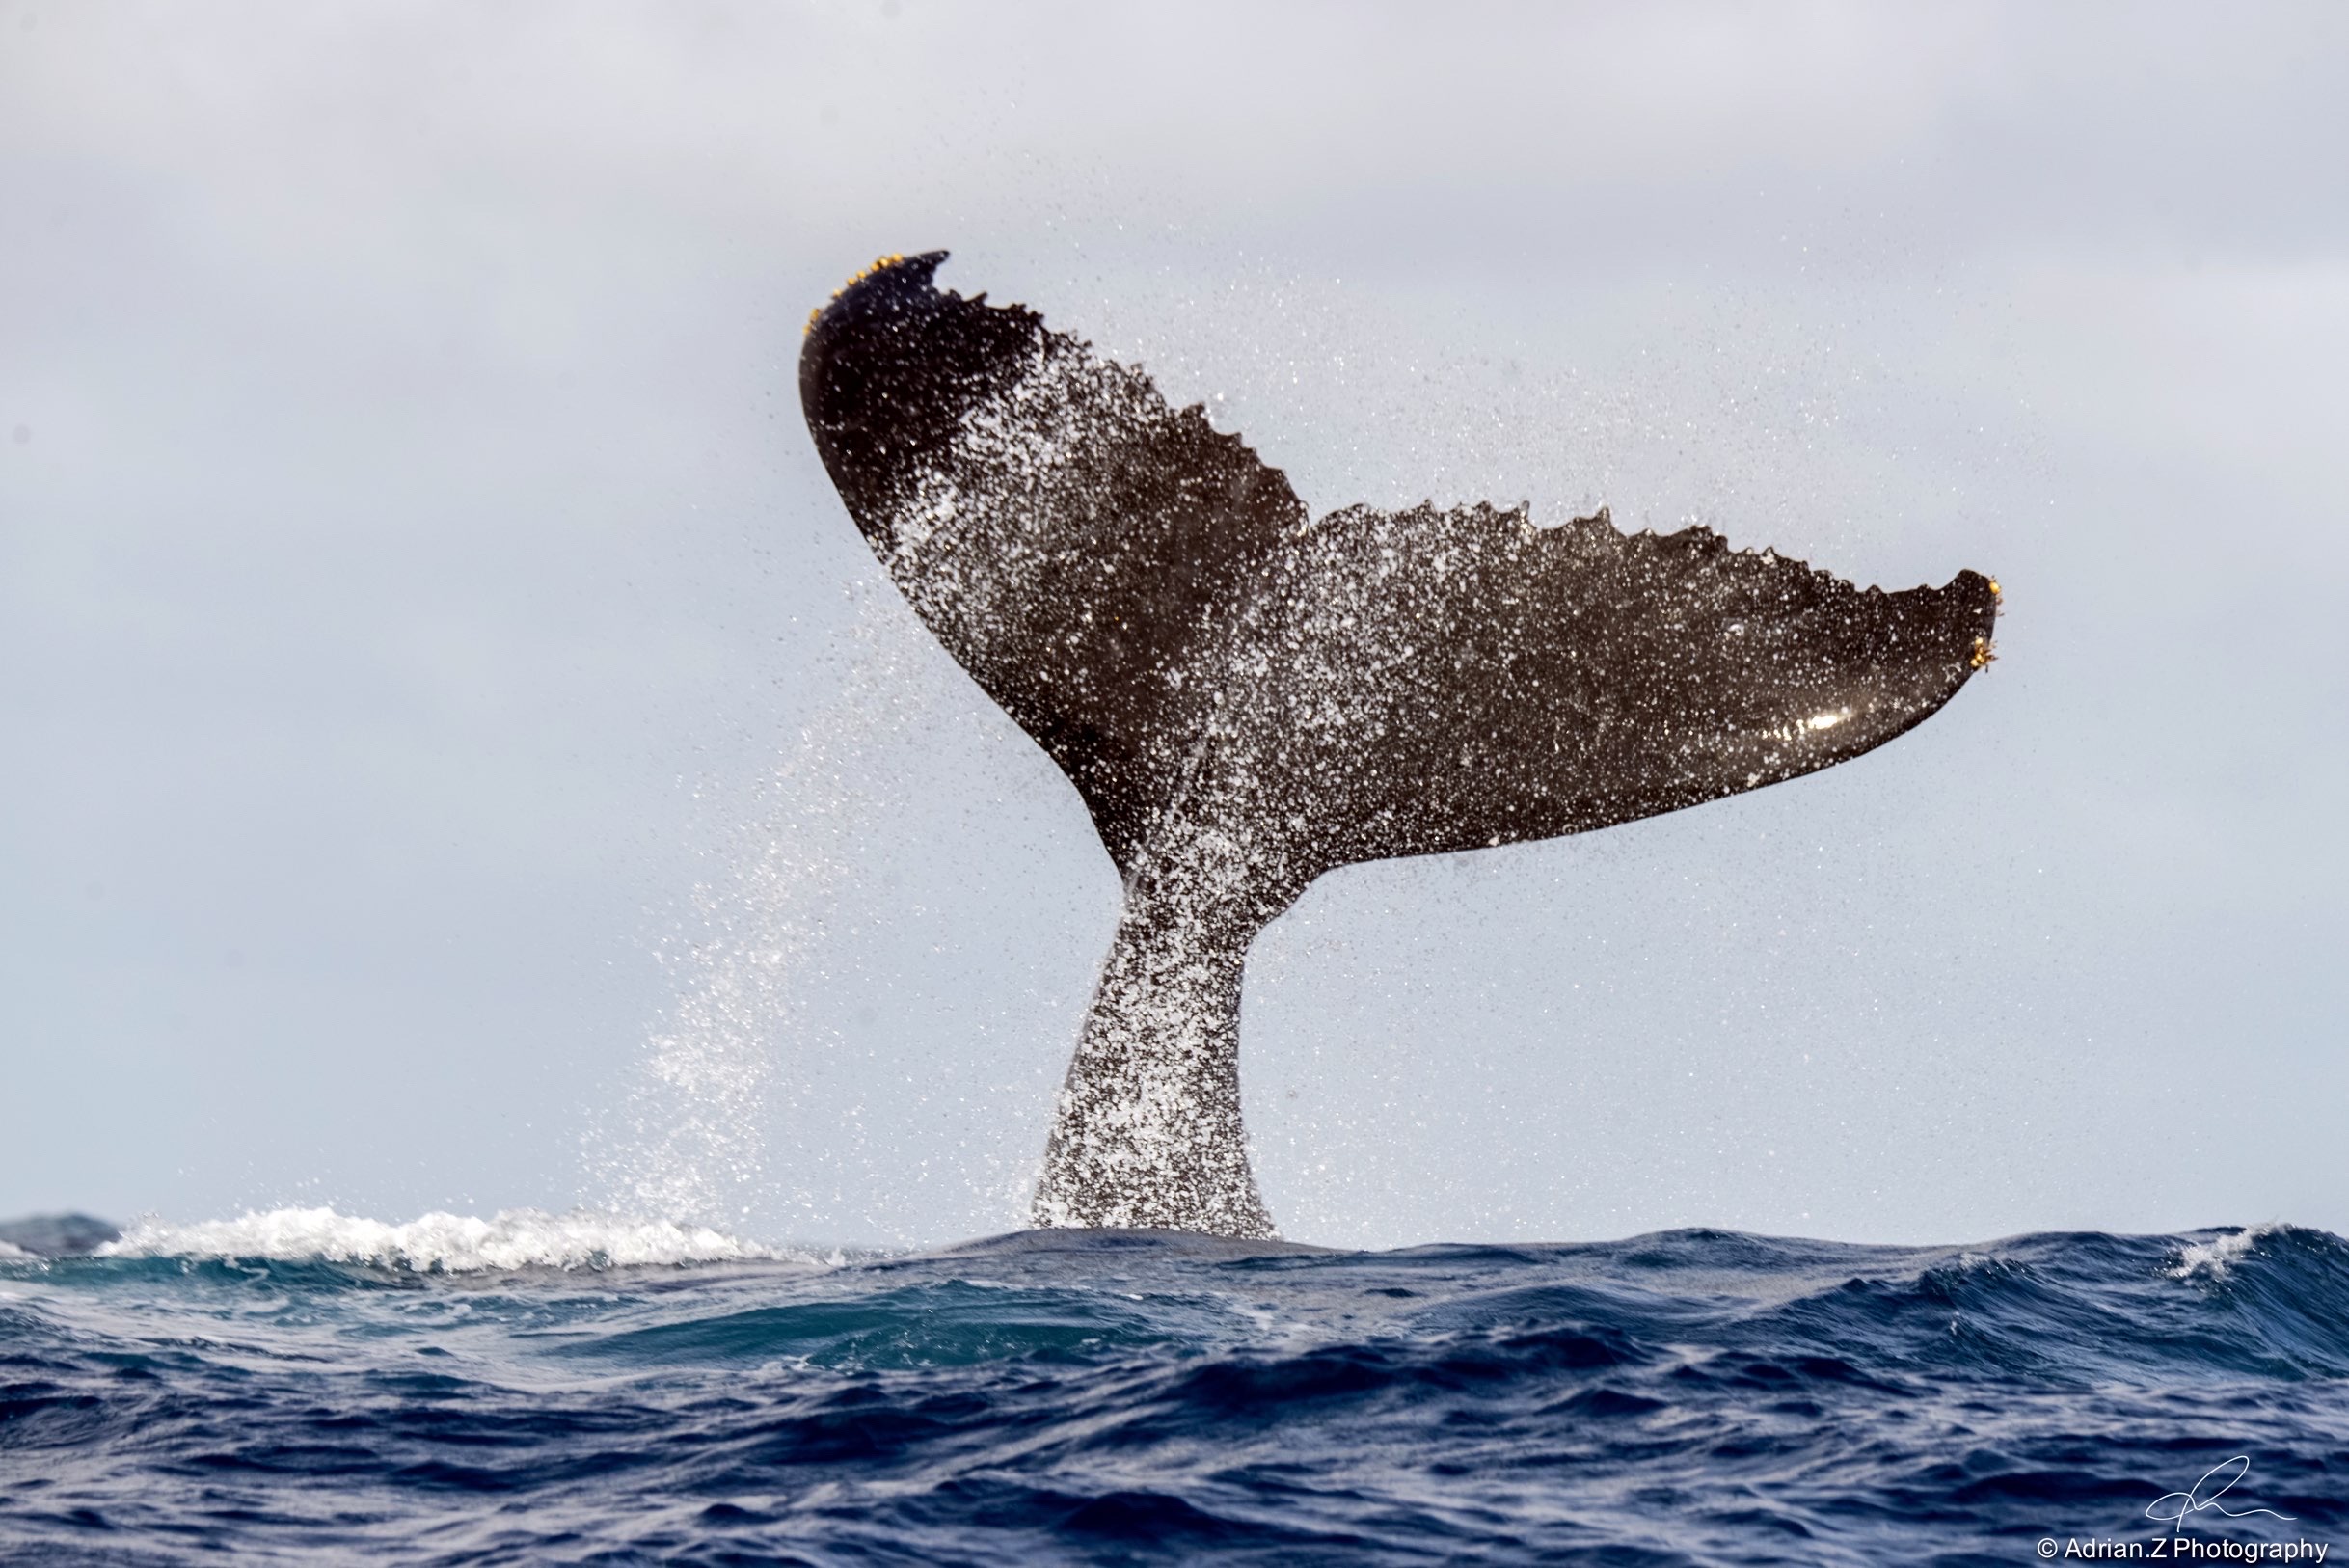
(1247, 696)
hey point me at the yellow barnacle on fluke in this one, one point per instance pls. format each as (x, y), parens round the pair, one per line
(854, 278)
(858, 276)
(1983, 652)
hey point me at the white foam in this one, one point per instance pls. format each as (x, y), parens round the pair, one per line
(10, 1253)
(2218, 1254)
(442, 1243)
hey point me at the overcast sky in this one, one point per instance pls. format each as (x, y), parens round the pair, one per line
(416, 581)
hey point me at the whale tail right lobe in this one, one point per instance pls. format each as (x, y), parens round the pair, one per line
(1246, 696)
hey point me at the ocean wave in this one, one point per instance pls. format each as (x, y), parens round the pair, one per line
(442, 1243)
(10, 1253)
(1696, 1396)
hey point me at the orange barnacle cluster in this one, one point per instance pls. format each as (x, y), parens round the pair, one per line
(1983, 652)
(854, 278)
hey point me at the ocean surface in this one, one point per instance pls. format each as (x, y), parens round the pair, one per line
(305, 1387)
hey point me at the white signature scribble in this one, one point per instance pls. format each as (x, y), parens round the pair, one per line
(2174, 1507)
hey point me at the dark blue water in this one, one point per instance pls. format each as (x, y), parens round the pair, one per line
(1693, 1397)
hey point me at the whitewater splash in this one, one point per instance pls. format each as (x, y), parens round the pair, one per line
(521, 1238)
(442, 1243)
(2215, 1258)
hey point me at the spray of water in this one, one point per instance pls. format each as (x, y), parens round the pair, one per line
(727, 1066)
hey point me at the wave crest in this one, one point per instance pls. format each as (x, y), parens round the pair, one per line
(2218, 1256)
(442, 1243)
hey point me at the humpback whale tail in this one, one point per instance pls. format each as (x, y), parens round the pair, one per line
(1247, 696)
